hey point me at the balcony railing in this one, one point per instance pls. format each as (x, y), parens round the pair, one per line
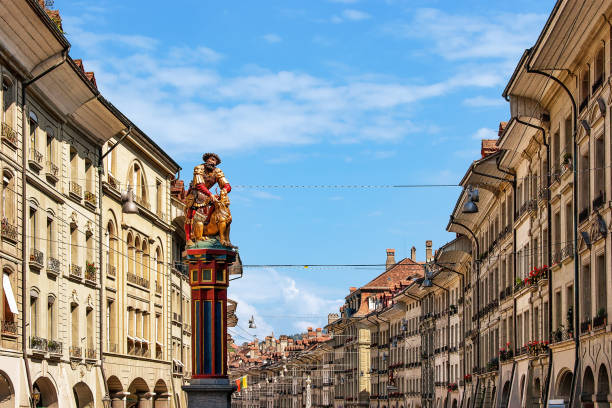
(52, 169)
(37, 258)
(76, 189)
(113, 182)
(8, 230)
(9, 327)
(36, 158)
(585, 326)
(9, 135)
(111, 270)
(90, 198)
(90, 354)
(38, 343)
(567, 251)
(54, 346)
(76, 352)
(137, 280)
(76, 271)
(53, 265)
(543, 193)
(91, 273)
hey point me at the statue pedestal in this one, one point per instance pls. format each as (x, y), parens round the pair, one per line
(209, 278)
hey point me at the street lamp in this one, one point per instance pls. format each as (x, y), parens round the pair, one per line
(127, 201)
(470, 206)
(252, 324)
(106, 401)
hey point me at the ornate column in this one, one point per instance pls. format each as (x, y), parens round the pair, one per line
(209, 263)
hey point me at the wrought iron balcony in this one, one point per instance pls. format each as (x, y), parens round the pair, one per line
(90, 354)
(90, 199)
(113, 182)
(76, 352)
(76, 189)
(54, 346)
(35, 159)
(76, 271)
(9, 231)
(9, 135)
(52, 171)
(37, 258)
(9, 327)
(38, 343)
(137, 280)
(91, 272)
(53, 265)
(567, 251)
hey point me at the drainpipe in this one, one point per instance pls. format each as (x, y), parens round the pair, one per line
(549, 251)
(101, 256)
(575, 198)
(477, 262)
(24, 253)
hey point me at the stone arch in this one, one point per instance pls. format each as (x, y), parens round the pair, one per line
(522, 388)
(564, 384)
(588, 382)
(47, 393)
(455, 404)
(505, 398)
(162, 397)
(137, 179)
(603, 381)
(114, 385)
(138, 390)
(7, 392)
(83, 396)
(537, 388)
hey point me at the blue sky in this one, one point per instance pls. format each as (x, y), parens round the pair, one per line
(355, 92)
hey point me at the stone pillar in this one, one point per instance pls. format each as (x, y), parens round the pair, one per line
(209, 278)
(119, 400)
(162, 401)
(146, 400)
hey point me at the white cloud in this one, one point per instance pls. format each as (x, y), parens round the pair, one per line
(355, 15)
(264, 195)
(272, 38)
(484, 133)
(457, 37)
(275, 299)
(344, 1)
(483, 102)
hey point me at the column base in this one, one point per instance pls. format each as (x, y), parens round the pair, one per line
(209, 393)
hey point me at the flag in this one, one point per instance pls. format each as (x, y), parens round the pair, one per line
(243, 384)
(238, 383)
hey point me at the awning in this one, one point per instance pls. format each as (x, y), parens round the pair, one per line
(8, 292)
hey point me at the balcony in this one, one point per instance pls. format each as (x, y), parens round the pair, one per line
(76, 352)
(37, 259)
(91, 272)
(53, 266)
(90, 354)
(9, 231)
(9, 327)
(113, 182)
(35, 160)
(9, 135)
(90, 200)
(567, 251)
(75, 190)
(54, 347)
(187, 328)
(585, 326)
(111, 270)
(76, 272)
(52, 172)
(137, 280)
(543, 193)
(38, 344)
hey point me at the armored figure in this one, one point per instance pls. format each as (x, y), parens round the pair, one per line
(207, 215)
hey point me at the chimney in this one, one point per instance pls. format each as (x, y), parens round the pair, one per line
(332, 317)
(428, 245)
(413, 254)
(390, 257)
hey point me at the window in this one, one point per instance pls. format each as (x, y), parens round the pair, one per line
(557, 236)
(600, 174)
(50, 238)
(131, 254)
(602, 299)
(556, 153)
(51, 329)
(9, 303)
(568, 136)
(74, 245)
(74, 166)
(159, 196)
(8, 197)
(111, 160)
(50, 150)
(585, 178)
(74, 315)
(8, 100)
(33, 122)
(569, 222)
(34, 330)
(89, 243)
(599, 69)
(570, 301)
(33, 228)
(585, 283)
(90, 328)
(584, 88)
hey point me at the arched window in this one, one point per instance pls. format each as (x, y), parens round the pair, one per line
(9, 303)
(74, 245)
(51, 320)
(137, 260)
(136, 180)
(8, 197)
(8, 103)
(145, 259)
(33, 231)
(34, 320)
(131, 254)
(111, 249)
(50, 236)
(74, 314)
